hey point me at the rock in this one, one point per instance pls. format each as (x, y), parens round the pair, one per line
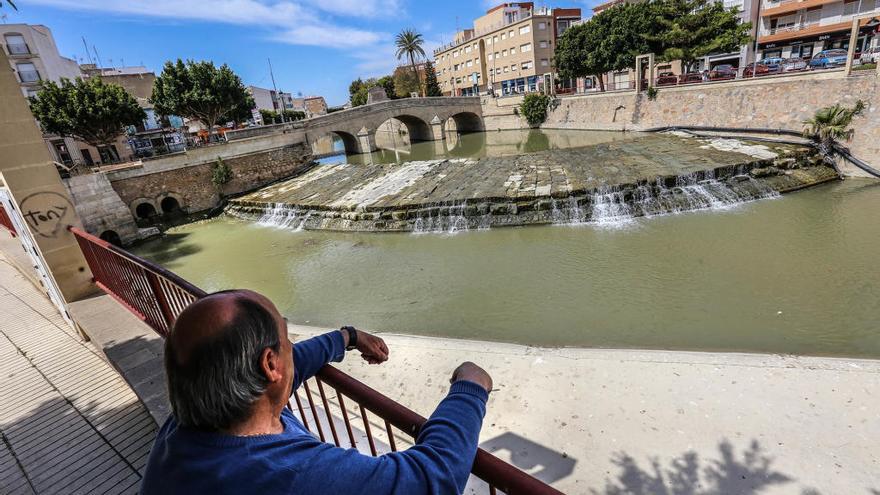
(785, 163)
(398, 215)
(498, 209)
(764, 172)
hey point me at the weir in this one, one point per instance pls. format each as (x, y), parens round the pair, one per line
(606, 184)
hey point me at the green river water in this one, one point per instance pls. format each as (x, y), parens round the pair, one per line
(798, 274)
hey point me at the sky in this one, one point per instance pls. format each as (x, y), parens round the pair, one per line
(317, 47)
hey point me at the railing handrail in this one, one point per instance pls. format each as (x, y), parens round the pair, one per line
(497, 473)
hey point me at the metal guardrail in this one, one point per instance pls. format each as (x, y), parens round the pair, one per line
(157, 296)
(6, 222)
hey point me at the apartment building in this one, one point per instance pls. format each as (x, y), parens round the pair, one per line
(33, 56)
(314, 105)
(802, 28)
(508, 51)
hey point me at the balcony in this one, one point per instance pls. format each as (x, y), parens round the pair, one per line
(29, 76)
(18, 49)
(800, 30)
(773, 9)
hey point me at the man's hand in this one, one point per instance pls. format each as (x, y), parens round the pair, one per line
(373, 349)
(471, 372)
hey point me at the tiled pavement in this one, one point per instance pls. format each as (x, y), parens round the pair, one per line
(69, 423)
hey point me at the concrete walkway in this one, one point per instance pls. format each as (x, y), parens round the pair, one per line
(69, 423)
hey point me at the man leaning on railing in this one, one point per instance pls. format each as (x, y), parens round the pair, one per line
(231, 369)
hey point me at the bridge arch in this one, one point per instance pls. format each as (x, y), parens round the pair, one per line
(464, 122)
(417, 128)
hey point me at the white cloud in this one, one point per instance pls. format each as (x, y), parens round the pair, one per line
(359, 8)
(332, 36)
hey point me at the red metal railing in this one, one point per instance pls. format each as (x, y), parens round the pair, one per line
(6, 222)
(157, 296)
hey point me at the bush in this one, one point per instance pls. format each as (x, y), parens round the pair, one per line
(652, 93)
(220, 173)
(534, 108)
(865, 67)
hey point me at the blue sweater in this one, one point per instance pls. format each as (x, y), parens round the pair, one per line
(189, 462)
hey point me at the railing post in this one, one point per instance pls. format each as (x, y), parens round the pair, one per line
(164, 307)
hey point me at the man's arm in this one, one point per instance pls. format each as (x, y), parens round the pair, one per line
(439, 463)
(310, 355)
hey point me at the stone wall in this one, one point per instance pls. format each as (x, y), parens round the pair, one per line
(100, 208)
(191, 185)
(781, 102)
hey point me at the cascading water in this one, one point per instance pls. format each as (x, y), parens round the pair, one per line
(452, 222)
(284, 217)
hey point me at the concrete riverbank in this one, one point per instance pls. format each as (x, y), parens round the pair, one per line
(657, 422)
(628, 175)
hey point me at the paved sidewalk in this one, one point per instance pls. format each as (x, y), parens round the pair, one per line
(69, 423)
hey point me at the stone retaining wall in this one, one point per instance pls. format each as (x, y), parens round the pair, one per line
(779, 102)
(192, 186)
(100, 208)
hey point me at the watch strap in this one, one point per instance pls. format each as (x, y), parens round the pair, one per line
(352, 337)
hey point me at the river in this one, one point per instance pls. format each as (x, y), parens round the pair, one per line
(797, 274)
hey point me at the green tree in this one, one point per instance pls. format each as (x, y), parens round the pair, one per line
(199, 90)
(405, 83)
(387, 83)
(688, 30)
(409, 44)
(88, 110)
(220, 173)
(432, 88)
(831, 124)
(608, 41)
(293, 115)
(534, 108)
(270, 117)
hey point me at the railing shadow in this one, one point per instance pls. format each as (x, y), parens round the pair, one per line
(748, 473)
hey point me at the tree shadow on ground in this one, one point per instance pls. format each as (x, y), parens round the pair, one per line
(747, 474)
(528, 455)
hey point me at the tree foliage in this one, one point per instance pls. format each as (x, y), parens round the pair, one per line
(220, 173)
(89, 110)
(199, 90)
(405, 83)
(832, 123)
(432, 87)
(534, 108)
(359, 89)
(409, 44)
(687, 30)
(683, 30)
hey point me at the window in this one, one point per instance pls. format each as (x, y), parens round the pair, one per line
(513, 67)
(526, 65)
(27, 72)
(542, 26)
(561, 26)
(504, 52)
(542, 44)
(525, 48)
(467, 49)
(470, 63)
(510, 33)
(512, 50)
(495, 39)
(503, 36)
(474, 46)
(455, 53)
(849, 8)
(489, 57)
(496, 54)
(525, 29)
(506, 68)
(544, 62)
(16, 45)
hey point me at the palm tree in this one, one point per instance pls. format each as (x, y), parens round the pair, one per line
(831, 124)
(409, 44)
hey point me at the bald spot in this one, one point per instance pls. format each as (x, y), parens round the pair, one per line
(205, 318)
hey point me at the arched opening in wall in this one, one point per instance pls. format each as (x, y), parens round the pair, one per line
(400, 132)
(170, 206)
(464, 136)
(464, 122)
(336, 143)
(145, 211)
(112, 237)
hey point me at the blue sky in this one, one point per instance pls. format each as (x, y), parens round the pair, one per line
(316, 46)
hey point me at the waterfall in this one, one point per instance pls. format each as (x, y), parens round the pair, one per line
(450, 223)
(284, 217)
(566, 211)
(610, 207)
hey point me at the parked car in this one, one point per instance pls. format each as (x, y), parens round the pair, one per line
(773, 64)
(690, 78)
(666, 79)
(828, 58)
(753, 69)
(871, 55)
(793, 65)
(723, 71)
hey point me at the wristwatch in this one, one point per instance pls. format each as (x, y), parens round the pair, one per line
(352, 338)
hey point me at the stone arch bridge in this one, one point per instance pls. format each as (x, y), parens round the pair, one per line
(426, 119)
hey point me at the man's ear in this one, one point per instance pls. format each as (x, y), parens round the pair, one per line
(270, 362)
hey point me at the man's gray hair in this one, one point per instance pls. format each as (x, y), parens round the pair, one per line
(221, 377)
